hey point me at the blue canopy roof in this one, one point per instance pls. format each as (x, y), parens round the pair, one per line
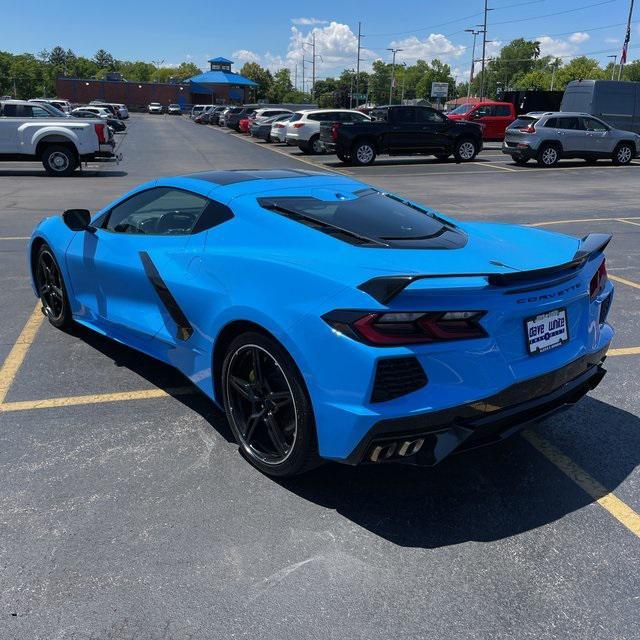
(221, 59)
(222, 77)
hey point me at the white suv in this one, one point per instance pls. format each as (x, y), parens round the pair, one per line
(154, 107)
(303, 130)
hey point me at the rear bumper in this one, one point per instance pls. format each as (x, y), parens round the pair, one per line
(438, 434)
(525, 151)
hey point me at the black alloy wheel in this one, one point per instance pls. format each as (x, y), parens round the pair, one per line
(268, 409)
(51, 289)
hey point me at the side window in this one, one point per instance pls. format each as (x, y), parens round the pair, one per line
(358, 117)
(158, 211)
(568, 123)
(589, 124)
(551, 123)
(429, 115)
(502, 110)
(404, 115)
(485, 110)
(10, 110)
(37, 112)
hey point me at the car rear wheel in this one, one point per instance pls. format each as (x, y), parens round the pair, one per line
(363, 154)
(51, 288)
(548, 156)
(623, 154)
(465, 150)
(268, 407)
(316, 146)
(59, 161)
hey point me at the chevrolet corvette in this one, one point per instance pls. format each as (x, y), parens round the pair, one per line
(332, 320)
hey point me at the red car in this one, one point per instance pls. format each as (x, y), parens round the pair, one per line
(243, 125)
(494, 117)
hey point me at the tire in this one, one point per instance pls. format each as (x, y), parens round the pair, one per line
(443, 157)
(623, 154)
(548, 155)
(465, 150)
(58, 160)
(316, 147)
(268, 407)
(364, 154)
(520, 161)
(52, 289)
(304, 149)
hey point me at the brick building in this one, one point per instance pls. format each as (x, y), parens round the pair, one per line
(218, 85)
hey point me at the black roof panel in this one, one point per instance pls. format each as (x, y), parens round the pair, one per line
(232, 176)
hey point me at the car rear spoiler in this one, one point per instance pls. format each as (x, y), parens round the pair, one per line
(386, 288)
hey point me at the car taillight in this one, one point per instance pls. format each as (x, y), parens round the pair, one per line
(334, 130)
(100, 133)
(297, 125)
(404, 328)
(598, 281)
(279, 126)
(528, 129)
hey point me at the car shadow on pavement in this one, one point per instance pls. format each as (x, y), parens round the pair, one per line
(40, 173)
(482, 495)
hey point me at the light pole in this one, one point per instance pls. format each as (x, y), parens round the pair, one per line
(393, 70)
(473, 56)
(613, 69)
(484, 45)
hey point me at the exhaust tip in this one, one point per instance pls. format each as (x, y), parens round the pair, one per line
(410, 447)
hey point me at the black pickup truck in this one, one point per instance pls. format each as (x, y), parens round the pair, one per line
(402, 130)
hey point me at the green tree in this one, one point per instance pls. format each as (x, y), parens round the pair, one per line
(280, 86)
(260, 75)
(581, 68)
(104, 60)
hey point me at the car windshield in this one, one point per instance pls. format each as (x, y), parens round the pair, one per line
(522, 122)
(372, 218)
(461, 109)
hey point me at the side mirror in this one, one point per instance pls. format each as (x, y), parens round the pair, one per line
(78, 220)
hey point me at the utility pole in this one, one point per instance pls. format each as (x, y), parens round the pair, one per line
(556, 64)
(393, 70)
(627, 37)
(613, 69)
(358, 66)
(473, 56)
(404, 73)
(313, 68)
(303, 71)
(484, 46)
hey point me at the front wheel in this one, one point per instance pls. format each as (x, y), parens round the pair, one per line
(268, 407)
(465, 150)
(51, 288)
(623, 154)
(363, 154)
(59, 161)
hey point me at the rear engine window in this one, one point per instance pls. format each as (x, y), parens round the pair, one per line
(372, 219)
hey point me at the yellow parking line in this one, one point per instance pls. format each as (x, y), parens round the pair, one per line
(629, 283)
(49, 403)
(489, 165)
(624, 351)
(628, 221)
(14, 360)
(621, 511)
(569, 221)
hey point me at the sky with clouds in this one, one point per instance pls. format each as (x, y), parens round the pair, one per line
(279, 34)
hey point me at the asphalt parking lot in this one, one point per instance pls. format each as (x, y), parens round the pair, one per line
(126, 511)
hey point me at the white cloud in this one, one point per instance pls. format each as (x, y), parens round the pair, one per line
(306, 22)
(578, 37)
(244, 55)
(434, 46)
(559, 47)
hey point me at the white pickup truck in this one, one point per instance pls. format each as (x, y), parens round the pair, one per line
(35, 131)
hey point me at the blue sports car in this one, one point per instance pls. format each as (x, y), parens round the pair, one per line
(332, 320)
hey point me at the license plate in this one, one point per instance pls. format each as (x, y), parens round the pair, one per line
(547, 331)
